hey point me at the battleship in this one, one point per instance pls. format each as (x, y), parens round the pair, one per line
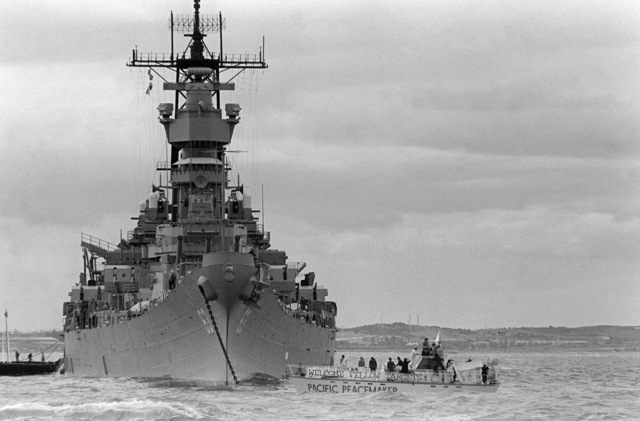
(194, 292)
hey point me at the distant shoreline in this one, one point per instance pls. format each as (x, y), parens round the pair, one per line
(515, 350)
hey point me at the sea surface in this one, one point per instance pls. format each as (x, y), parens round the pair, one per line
(554, 385)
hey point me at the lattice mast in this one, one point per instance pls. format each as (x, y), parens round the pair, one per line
(196, 55)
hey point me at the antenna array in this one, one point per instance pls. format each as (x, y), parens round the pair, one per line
(208, 23)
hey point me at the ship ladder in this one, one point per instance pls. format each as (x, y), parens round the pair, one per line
(224, 350)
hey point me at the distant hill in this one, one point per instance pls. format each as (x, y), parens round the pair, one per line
(41, 345)
(55, 334)
(401, 335)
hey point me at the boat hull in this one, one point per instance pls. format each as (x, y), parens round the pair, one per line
(177, 339)
(29, 368)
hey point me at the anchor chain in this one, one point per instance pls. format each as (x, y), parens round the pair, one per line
(224, 350)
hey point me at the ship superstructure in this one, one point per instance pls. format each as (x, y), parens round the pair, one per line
(195, 291)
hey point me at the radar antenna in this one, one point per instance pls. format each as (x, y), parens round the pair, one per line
(197, 54)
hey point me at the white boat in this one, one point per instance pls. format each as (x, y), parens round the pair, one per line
(466, 376)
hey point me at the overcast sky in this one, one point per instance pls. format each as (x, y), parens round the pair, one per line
(469, 163)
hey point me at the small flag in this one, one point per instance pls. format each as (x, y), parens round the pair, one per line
(5, 314)
(438, 337)
(149, 87)
(150, 75)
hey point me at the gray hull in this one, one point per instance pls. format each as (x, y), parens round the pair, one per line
(176, 339)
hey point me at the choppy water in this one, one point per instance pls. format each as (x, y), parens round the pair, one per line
(538, 386)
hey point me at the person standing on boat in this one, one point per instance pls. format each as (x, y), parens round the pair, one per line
(390, 365)
(485, 372)
(405, 366)
(30, 357)
(453, 369)
(343, 362)
(373, 365)
(425, 347)
(361, 362)
(415, 357)
(17, 356)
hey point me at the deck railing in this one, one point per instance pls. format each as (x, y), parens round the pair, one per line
(97, 242)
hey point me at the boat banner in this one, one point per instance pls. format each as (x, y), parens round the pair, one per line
(319, 372)
(418, 377)
(338, 372)
(470, 376)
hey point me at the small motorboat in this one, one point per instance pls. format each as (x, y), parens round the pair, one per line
(468, 376)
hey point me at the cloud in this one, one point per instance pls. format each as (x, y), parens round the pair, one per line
(69, 32)
(483, 152)
(494, 79)
(468, 269)
(352, 189)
